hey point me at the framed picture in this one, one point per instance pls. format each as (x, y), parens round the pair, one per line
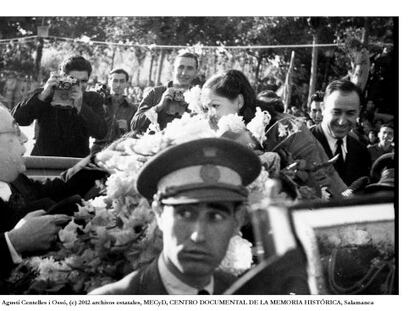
(349, 245)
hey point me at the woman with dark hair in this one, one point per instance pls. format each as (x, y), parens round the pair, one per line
(228, 93)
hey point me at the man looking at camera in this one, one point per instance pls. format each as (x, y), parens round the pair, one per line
(118, 111)
(165, 103)
(67, 115)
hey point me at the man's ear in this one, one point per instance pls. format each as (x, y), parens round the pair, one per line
(240, 101)
(240, 217)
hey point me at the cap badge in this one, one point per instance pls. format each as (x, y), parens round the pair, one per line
(210, 173)
(209, 152)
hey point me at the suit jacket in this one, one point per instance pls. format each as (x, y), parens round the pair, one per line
(147, 281)
(357, 161)
(29, 195)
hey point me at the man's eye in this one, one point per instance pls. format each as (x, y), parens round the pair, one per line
(217, 216)
(184, 214)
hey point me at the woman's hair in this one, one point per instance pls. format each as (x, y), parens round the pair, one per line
(230, 84)
(271, 102)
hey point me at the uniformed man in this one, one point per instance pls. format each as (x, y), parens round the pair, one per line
(198, 188)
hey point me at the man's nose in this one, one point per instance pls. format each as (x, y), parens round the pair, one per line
(199, 231)
(23, 138)
(342, 119)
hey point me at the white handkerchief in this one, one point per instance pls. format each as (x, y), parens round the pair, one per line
(5, 191)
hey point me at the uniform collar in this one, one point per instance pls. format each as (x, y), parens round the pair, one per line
(5, 191)
(175, 286)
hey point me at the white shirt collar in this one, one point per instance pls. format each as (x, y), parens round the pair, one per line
(175, 286)
(332, 141)
(5, 191)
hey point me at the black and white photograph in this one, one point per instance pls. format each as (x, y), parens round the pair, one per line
(245, 155)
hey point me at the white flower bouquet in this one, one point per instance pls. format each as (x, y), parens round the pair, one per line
(115, 233)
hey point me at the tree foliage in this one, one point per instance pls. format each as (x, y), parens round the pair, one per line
(214, 31)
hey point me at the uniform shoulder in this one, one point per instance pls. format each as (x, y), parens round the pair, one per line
(222, 281)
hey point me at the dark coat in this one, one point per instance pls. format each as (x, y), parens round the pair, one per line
(63, 132)
(30, 195)
(147, 281)
(357, 162)
(124, 112)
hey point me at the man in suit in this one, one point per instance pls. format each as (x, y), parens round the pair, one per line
(198, 190)
(24, 224)
(340, 110)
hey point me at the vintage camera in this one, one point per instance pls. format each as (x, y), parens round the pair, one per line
(102, 90)
(66, 83)
(178, 95)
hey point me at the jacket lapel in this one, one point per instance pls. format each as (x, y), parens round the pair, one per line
(320, 135)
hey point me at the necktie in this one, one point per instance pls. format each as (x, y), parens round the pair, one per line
(340, 163)
(203, 292)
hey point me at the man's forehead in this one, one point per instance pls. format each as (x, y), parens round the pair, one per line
(315, 105)
(117, 76)
(386, 129)
(188, 61)
(78, 74)
(342, 100)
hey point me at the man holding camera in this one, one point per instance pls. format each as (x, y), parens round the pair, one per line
(118, 111)
(67, 115)
(164, 104)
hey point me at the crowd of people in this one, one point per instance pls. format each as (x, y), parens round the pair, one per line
(340, 145)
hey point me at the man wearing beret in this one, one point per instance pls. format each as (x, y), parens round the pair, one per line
(198, 190)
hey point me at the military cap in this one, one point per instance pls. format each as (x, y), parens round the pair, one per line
(386, 182)
(385, 161)
(203, 170)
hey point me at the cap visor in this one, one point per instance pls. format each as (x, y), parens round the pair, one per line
(204, 195)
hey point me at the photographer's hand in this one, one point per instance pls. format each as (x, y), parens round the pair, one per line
(77, 95)
(49, 86)
(166, 99)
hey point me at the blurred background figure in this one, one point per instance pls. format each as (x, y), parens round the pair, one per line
(315, 113)
(118, 111)
(385, 144)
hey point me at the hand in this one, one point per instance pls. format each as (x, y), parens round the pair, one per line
(166, 99)
(49, 86)
(77, 95)
(36, 231)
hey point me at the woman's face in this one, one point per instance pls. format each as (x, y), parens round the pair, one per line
(218, 106)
